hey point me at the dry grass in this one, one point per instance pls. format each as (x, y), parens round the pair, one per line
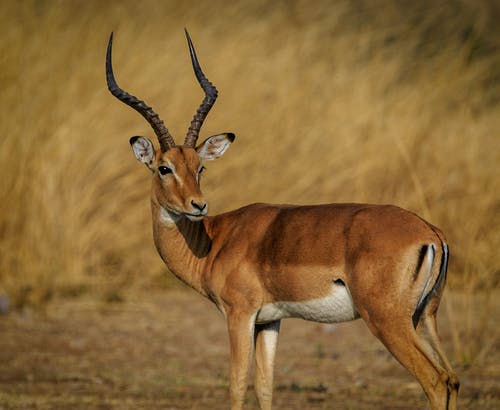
(385, 102)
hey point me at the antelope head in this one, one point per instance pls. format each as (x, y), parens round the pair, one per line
(175, 168)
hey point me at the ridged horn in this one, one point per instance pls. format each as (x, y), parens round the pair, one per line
(164, 137)
(207, 103)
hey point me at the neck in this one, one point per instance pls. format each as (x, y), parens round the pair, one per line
(183, 245)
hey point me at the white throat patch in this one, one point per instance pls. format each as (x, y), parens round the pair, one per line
(168, 217)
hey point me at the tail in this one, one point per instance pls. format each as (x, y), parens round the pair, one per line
(425, 297)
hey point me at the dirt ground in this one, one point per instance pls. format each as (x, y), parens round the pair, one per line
(169, 350)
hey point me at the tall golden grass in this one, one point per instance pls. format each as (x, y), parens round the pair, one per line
(383, 102)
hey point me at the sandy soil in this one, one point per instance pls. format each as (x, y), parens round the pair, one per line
(169, 350)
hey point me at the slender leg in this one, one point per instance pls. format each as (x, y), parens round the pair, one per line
(266, 340)
(433, 338)
(241, 334)
(403, 342)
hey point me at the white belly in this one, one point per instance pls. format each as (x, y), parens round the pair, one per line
(336, 307)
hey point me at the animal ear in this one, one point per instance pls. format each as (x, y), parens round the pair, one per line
(143, 150)
(214, 146)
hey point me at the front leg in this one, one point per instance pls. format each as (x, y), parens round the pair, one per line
(241, 333)
(266, 341)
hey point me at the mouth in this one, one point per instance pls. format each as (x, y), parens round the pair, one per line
(191, 216)
(194, 217)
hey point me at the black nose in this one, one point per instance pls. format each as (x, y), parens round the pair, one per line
(198, 206)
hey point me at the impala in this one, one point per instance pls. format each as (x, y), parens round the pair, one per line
(263, 263)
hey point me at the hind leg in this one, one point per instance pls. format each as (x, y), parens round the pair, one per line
(400, 338)
(430, 324)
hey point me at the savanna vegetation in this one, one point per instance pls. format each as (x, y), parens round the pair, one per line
(344, 101)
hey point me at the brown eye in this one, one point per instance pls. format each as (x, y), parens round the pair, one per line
(164, 170)
(201, 170)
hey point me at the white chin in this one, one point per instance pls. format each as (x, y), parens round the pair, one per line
(195, 218)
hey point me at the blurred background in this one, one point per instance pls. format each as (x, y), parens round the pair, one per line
(331, 101)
